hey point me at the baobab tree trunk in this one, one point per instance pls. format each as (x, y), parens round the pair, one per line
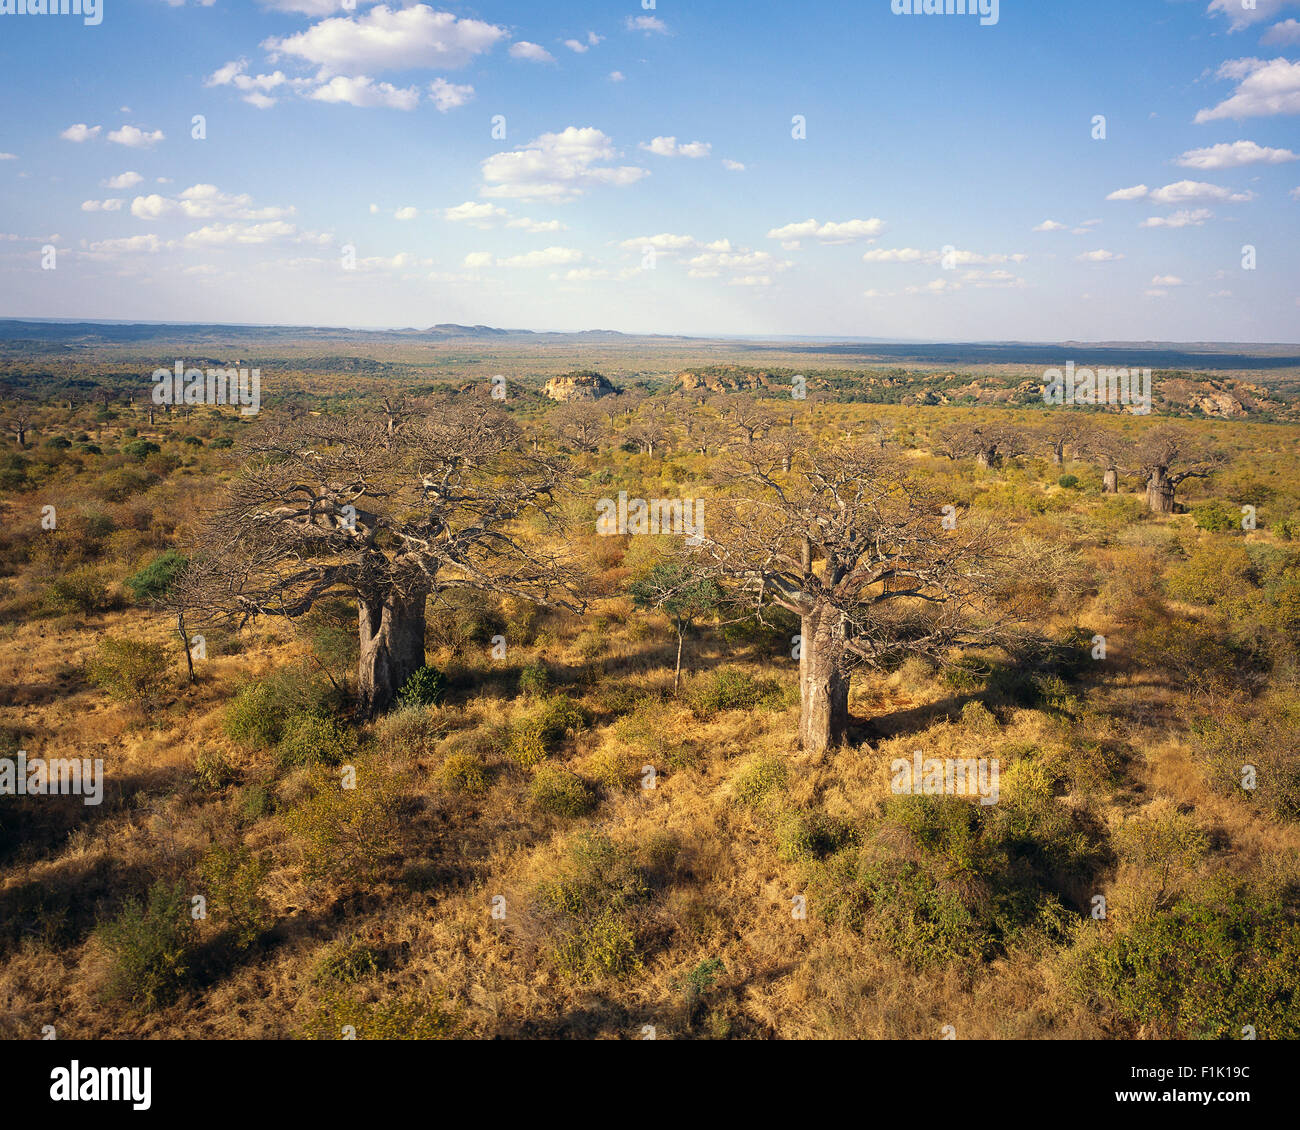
(1058, 454)
(1110, 481)
(984, 458)
(823, 685)
(392, 647)
(1160, 492)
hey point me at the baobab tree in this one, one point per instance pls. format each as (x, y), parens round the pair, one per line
(580, 423)
(1112, 452)
(339, 504)
(1063, 431)
(850, 544)
(1168, 457)
(988, 443)
(18, 423)
(748, 417)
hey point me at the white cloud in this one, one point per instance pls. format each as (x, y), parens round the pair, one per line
(1100, 256)
(711, 264)
(668, 147)
(594, 40)
(1050, 225)
(1180, 219)
(582, 274)
(80, 132)
(1242, 16)
(253, 87)
(447, 95)
(149, 243)
(102, 205)
(204, 202)
(664, 243)
(951, 257)
(616, 76)
(8, 156)
(1295, 193)
(577, 45)
(219, 235)
(647, 24)
(732, 166)
(1287, 32)
(938, 286)
(408, 213)
(387, 39)
(476, 214)
(557, 166)
(1166, 280)
(533, 52)
(534, 227)
(845, 231)
(1232, 155)
(365, 92)
(1181, 192)
(122, 180)
(1264, 89)
(548, 257)
(135, 138)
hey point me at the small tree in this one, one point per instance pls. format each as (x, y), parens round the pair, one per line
(681, 594)
(988, 443)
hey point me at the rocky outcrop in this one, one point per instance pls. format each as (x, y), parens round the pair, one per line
(579, 386)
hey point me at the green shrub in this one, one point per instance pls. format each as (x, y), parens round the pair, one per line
(1203, 969)
(758, 780)
(347, 962)
(348, 833)
(212, 771)
(232, 879)
(150, 946)
(561, 793)
(425, 687)
(1068, 482)
(465, 772)
(538, 734)
(255, 802)
(259, 712)
(403, 1018)
(140, 448)
(83, 589)
(1218, 517)
(309, 739)
(223, 442)
(155, 579)
(535, 679)
(130, 670)
(731, 688)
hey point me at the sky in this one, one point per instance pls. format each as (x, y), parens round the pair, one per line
(1051, 170)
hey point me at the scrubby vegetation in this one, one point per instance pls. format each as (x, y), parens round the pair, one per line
(577, 821)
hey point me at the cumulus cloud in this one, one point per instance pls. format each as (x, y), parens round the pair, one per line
(204, 202)
(1181, 192)
(1166, 280)
(408, 213)
(616, 76)
(1232, 155)
(1265, 88)
(131, 243)
(122, 180)
(221, 235)
(668, 147)
(1240, 16)
(832, 232)
(387, 39)
(1285, 33)
(1050, 225)
(80, 132)
(135, 138)
(365, 92)
(254, 88)
(1100, 256)
(557, 166)
(532, 52)
(102, 205)
(648, 24)
(732, 166)
(547, 257)
(1181, 219)
(950, 257)
(447, 95)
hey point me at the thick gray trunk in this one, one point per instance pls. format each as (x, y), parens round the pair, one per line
(1160, 493)
(823, 685)
(1110, 481)
(392, 647)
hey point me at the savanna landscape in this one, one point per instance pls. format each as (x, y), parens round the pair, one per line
(574, 781)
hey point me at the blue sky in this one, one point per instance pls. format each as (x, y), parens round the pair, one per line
(949, 184)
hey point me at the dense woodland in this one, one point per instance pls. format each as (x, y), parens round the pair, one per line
(596, 777)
